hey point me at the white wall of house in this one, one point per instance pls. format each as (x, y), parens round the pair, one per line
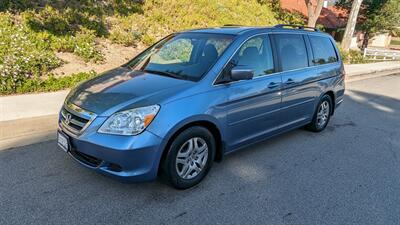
(381, 40)
(354, 43)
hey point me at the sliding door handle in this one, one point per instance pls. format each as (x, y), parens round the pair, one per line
(290, 81)
(273, 84)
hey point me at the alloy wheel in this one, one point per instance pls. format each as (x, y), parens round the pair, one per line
(323, 114)
(191, 158)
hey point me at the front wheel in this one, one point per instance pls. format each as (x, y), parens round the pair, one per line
(189, 157)
(322, 115)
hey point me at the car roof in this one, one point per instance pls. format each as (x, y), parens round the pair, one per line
(237, 30)
(233, 30)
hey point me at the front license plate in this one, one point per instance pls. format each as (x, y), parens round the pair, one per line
(62, 141)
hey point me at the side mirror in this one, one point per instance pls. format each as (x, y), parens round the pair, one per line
(241, 73)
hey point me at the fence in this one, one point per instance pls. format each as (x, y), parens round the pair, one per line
(381, 54)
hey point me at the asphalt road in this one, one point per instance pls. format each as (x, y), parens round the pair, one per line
(348, 174)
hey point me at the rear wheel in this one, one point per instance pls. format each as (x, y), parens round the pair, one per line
(189, 157)
(322, 115)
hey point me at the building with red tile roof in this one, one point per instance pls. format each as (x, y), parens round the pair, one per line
(334, 20)
(331, 17)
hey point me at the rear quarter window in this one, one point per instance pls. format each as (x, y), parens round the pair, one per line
(323, 50)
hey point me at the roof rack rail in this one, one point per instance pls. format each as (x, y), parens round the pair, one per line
(301, 27)
(232, 25)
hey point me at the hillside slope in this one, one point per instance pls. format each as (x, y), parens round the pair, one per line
(41, 38)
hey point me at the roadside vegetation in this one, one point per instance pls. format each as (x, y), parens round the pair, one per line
(32, 33)
(52, 83)
(353, 57)
(35, 34)
(395, 41)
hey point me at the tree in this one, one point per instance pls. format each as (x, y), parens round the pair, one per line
(381, 16)
(351, 25)
(313, 12)
(284, 15)
(375, 16)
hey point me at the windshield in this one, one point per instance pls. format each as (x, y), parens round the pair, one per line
(182, 56)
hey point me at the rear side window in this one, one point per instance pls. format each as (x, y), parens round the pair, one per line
(292, 52)
(323, 50)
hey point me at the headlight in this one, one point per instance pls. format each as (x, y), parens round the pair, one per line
(129, 122)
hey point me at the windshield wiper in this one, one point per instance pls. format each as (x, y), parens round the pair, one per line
(164, 73)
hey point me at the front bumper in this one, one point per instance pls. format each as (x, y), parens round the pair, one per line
(127, 158)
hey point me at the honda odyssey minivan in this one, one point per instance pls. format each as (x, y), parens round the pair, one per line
(198, 95)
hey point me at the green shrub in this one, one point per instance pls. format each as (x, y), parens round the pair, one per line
(164, 17)
(15, 4)
(23, 55)
(64, 21)
(124, 31)
(283, 15)
(51, 83)
(161, 18)
(148, 39)
(352, 57)
(356, 57)
(124, 37)
(395, 42)
(31, 31)
(63, 44)
(48, 19)
(65, 31)
(85, 46)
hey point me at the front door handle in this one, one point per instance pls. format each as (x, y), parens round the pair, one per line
(273, 84)
(290, 81)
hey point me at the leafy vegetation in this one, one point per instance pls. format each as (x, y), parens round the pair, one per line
(376, 16)
(33, 31)
(382, 15)
(51, 83)
(161, 17)
(395, 42)
(284, 15)
(353, 57)
(23, 55)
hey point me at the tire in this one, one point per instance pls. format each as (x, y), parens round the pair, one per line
(322, 115)
(183, 155)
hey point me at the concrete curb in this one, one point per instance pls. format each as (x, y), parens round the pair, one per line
(372, 75)
(20, 132)
(354, 70)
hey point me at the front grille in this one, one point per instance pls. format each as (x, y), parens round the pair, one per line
(75, 119)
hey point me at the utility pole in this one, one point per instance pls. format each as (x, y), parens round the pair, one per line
(351, 25)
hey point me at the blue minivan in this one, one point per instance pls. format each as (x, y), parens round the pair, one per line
(198, 95)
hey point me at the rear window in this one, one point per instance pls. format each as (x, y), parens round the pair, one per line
(323, 50)
(292, 51)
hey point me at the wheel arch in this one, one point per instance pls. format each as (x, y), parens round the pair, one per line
(331, 94)
(207, 123)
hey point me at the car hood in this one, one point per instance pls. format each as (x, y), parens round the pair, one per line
(122, 88)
